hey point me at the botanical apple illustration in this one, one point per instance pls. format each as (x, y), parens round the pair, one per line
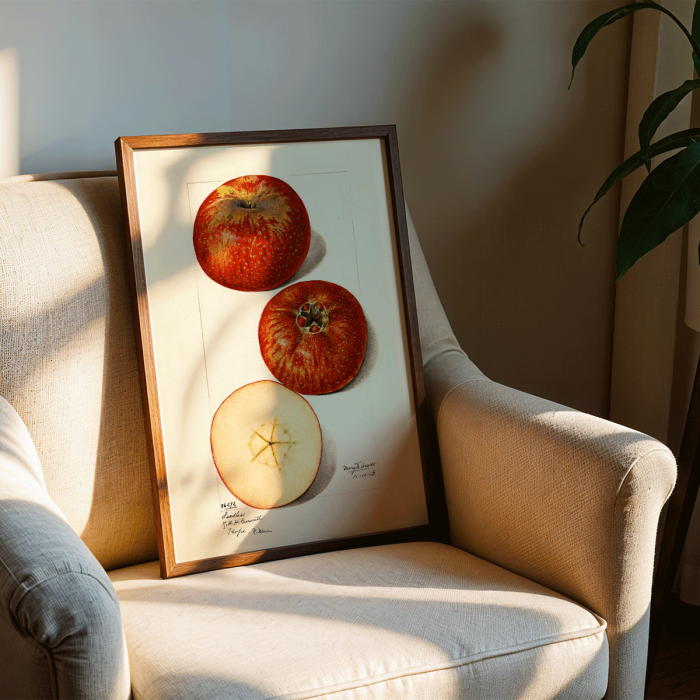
(252, 233)
(266, 444)
(313, 336)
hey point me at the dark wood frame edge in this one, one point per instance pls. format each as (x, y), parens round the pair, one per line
(437, 528)
(427, 431)
(243, 137)
(141, 321)
(422, 533)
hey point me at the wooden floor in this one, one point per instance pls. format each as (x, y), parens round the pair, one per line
(677, 669)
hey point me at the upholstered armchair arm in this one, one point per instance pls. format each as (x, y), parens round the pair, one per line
(560, 497)
(60, 626)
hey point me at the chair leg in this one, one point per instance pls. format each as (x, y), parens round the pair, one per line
(680, 510)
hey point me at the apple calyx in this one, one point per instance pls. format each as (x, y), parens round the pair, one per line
(312, 317)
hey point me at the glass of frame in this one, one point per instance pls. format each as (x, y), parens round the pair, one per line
(278, 344)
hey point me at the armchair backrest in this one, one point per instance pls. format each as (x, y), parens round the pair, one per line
(68, 362)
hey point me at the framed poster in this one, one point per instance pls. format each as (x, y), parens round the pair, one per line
(278, 344)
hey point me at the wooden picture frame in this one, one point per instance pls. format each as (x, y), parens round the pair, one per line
(209, 348)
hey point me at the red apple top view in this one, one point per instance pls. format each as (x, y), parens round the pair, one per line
(313, 337)
(252, 233)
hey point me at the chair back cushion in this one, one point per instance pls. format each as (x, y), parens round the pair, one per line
(68, 360)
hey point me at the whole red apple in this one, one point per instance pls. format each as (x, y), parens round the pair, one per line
(313, 336)
(252, 233)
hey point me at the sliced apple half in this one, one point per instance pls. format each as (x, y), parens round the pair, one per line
(266, 444)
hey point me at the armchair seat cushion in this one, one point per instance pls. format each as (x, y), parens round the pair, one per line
(418, 620)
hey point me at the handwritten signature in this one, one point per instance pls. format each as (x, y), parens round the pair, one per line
(359, 470)
(358, 466)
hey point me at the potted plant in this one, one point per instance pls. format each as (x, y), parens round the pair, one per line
(667, 199)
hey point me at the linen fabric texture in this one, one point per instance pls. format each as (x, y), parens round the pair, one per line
(68, 357)
(566, 501)
(60, 624)
(417, 620)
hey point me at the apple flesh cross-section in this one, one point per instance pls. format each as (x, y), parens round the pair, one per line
(266, 444)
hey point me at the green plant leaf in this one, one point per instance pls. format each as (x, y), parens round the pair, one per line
(608, 18)
(695, 33)
(657, 111)
(592, 28)
(670, 143)
(668, 199)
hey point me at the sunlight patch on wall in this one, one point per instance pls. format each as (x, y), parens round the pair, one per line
(9, 112)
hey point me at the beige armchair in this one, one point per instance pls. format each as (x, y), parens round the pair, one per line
(543, 593)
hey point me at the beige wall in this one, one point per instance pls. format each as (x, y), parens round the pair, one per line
(509, 160)
(499, 160)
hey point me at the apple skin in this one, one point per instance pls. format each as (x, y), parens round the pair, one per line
(313, 337)
(252, 233)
